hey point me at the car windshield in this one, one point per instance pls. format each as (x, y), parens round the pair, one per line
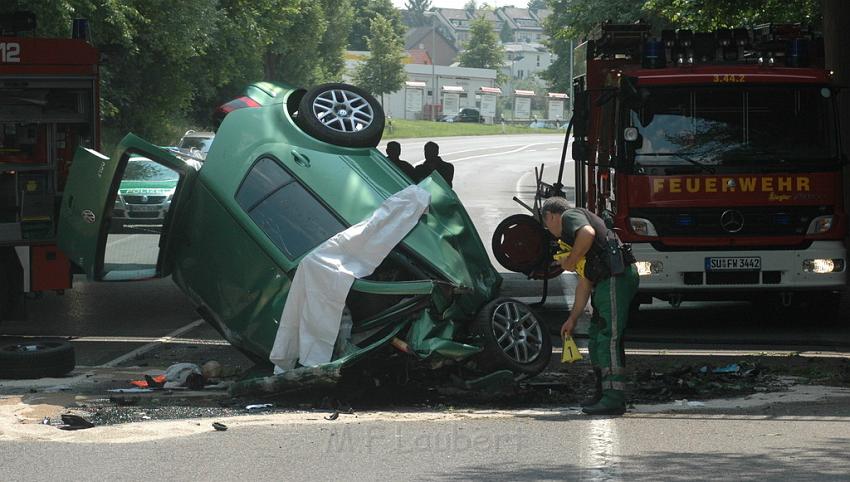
(728, 128)
(201, 143)
(147, 170)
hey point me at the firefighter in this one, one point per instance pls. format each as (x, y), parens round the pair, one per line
(610, 283)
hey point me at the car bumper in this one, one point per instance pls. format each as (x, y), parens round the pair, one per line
(686, 271)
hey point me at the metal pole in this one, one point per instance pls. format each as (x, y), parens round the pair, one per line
(570, 83)
(433, 68)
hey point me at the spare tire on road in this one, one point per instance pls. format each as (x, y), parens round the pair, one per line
(40, 358)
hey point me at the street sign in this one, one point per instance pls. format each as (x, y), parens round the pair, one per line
(522, 108)
(488, 105)
(556, 109)
(451, 103)
(413, 101)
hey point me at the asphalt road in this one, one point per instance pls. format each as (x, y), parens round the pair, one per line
(795, 442)
(801, 441)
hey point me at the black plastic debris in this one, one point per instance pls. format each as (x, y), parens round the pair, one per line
(74, 422)
(220, 427)
(332, 416)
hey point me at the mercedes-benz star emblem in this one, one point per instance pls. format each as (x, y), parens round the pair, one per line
(88, 216)
(144, 199)
(732, 221)
(731, 184)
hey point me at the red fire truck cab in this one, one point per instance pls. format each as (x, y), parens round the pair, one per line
(48, 107)
(717, 155)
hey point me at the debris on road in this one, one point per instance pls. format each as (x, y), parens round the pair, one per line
(257, 407)
(332, 416)
(685, 382)
(74, 422)
(219, 427)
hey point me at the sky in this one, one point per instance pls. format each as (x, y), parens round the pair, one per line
(461, 3)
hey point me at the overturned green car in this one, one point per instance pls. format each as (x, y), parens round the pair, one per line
(288, 170)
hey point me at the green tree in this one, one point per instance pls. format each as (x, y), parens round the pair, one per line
(383, 72)
(535, 5)
(364, 12)
(507, 33)
(417, 10)
(483, 50)
(712, 14)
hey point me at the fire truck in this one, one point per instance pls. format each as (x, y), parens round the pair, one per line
(49, 106)
(717, 156)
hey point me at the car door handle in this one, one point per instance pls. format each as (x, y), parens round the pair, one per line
(301, 159)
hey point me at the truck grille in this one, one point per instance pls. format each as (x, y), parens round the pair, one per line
(144, 199)
(696, 278)
(757, 220)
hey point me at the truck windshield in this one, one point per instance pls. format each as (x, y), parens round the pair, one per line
(733, 128)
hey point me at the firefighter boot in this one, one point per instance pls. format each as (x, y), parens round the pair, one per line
(597, 389)
(613, 403)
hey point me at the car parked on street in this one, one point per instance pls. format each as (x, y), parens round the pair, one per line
(467, 114)
(289, 169)
(144, 194)
(196, 144)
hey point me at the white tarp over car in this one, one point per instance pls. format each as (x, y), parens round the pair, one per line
(313, 311)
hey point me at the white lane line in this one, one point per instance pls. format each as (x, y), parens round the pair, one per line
(150, 346)
(520, 182)
(493, 154)
(719, 352)
(602, 450)
(147, 339)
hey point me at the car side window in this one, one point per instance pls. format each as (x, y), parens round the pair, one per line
(288, 214)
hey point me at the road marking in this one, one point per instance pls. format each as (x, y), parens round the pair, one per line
(499, 153)
(150, 346)
(483, 148)
(721, 352)
(146, 339)
(601, 450)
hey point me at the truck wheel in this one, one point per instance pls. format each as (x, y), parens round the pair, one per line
(341, 114)
(513, 338)
(520, 244)
(36, 359)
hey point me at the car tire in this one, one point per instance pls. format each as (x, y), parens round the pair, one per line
(341, 114)
(36, 359)
(520, 244)
(512, 338)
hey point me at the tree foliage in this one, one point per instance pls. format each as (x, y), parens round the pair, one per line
(168, 64)
(483, 50)
(575, 19)
(383, 72)
(417, 9)
(364, 12)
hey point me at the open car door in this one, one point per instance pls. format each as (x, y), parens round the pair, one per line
(116, 212)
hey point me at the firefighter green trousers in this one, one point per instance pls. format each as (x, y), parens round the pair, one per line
(610, 300)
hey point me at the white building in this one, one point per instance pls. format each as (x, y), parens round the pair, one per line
(463, 81)
(525, 60)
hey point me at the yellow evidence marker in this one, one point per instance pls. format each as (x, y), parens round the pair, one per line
(565, 250)
(571, 353)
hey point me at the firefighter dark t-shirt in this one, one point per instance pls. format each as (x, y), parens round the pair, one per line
(574, 219)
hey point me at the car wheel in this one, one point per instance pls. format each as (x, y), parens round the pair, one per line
(520, 244)
(36, 359)
(341, 114)
(513, 338)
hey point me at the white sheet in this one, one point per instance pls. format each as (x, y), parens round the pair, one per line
(311, 316)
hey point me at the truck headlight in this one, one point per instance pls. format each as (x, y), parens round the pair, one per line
(642, 227)
(823, 265)
(646, 268)
(820, 225)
